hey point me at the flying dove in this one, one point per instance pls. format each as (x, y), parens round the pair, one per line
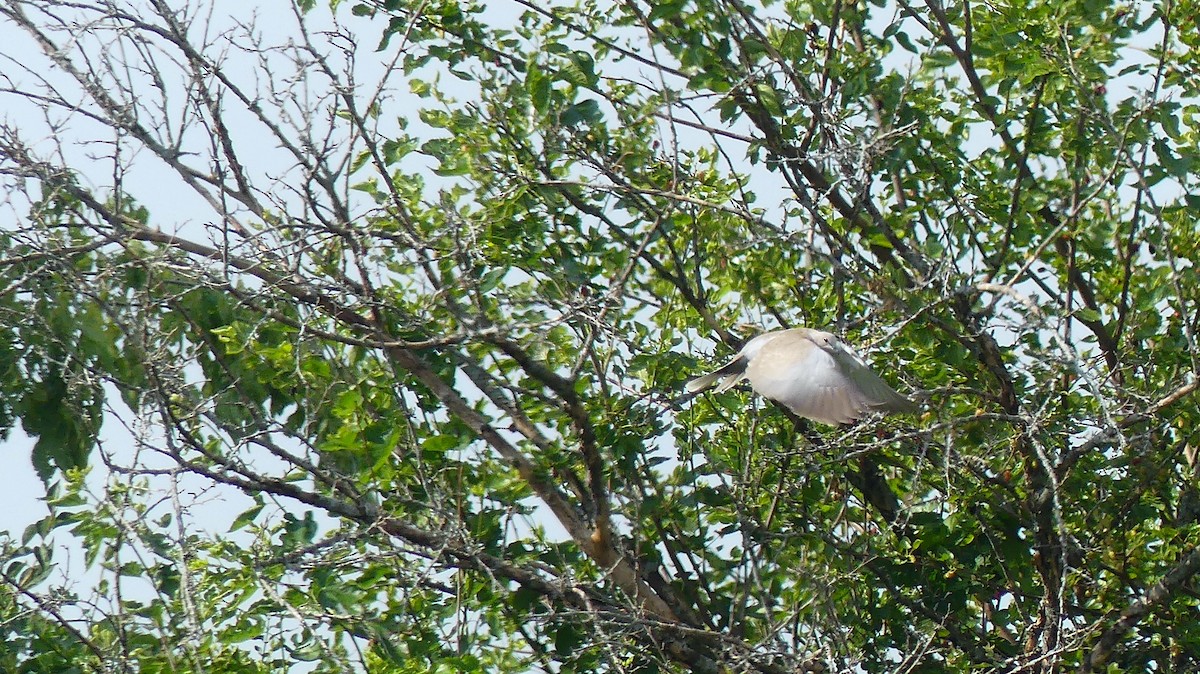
(812, 373)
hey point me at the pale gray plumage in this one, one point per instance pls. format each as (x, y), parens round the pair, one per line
(812, 373)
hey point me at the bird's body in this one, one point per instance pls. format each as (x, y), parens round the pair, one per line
(812, 373)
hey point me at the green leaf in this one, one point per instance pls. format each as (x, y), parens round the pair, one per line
(247, 517)
(584, 112)
(769, 99)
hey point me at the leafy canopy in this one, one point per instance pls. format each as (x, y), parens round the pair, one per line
(354, 339)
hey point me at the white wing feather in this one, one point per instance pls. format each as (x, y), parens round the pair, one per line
(812, 373)
(806, 379)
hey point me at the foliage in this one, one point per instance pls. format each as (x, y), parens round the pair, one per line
(381, 370)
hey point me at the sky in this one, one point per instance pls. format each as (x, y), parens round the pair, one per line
(23, 491)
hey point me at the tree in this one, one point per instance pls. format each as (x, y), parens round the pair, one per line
(356, 340)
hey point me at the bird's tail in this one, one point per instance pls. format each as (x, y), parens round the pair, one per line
(728, 372)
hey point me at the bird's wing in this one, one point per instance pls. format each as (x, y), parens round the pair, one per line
(876, 393)
(810, 372)
(806, 379)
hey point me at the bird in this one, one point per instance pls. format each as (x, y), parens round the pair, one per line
(811, 372)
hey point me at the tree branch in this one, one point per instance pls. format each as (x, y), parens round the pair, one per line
(1160, 593)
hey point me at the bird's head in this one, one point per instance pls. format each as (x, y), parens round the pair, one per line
(825, 340)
